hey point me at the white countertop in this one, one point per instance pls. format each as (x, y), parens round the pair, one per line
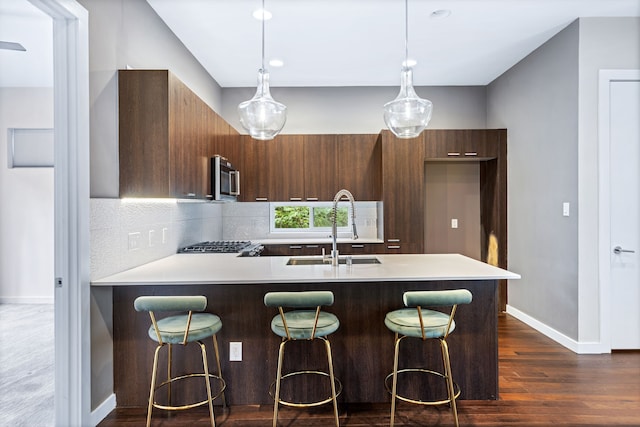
(231, 269)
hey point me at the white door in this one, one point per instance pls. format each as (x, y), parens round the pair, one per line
(625, 219)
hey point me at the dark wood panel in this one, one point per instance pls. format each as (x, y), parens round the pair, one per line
(285, 155)
(143, 112)
(320, 167)
(363, 346)
(359, 165)
(541, 383)
(403, 192)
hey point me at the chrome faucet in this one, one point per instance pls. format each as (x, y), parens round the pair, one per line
(334, 222)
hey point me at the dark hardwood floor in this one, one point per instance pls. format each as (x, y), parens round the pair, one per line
(541, 384)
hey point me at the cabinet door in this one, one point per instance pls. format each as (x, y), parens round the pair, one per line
(359, 163)
(187, 118)
(254, 175)
(320, 167)
(143, 133)
(465, 144)
(402, 193)
(286, 156)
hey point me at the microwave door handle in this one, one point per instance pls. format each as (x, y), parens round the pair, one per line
(236, 192)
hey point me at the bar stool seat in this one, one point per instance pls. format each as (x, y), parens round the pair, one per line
(300, 323)
(182, 329)
(417, 322)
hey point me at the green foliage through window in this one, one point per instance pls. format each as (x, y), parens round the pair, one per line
(322, 217)
(292, 217)
(301, 217)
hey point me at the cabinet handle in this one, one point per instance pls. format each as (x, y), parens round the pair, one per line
(357, 246)
(312, 199)
(295, 199)
(261, 199)
(295, 247)
(312, 246)
(393, 240)
(471, 153)
(191, 195)
(393, 247)
(453, 154)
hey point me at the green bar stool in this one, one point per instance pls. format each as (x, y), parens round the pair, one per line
(182, 329)
(417, 322)
(301, 322)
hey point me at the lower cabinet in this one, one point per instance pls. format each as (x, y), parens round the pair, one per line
(316, 249)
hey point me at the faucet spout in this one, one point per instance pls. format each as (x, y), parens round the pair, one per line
(334, 222)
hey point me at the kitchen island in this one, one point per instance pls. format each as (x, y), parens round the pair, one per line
(362, 346)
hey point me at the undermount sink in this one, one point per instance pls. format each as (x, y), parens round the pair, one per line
(341, 260)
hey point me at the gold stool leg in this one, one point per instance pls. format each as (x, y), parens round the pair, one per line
(449, 378)
(333, 382)
(395, 379)
(206, 380)
(153, 384)
(215, 348)
(278, 378)
(169, 361)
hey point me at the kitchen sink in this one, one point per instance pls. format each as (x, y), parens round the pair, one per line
(341, 260)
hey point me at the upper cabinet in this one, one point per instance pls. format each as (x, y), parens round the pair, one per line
(167, 136)
(310, 167)
(464, 144)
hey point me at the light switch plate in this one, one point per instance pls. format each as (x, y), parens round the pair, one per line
(565, 209)
(454, 223)
(235, 352)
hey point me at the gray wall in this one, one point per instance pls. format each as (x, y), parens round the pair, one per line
(358, 110)
(537, 100)
(128, 33)
(605, 43)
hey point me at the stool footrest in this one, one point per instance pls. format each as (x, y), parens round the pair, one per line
(223, 386)
(456, 389)
(305, 404)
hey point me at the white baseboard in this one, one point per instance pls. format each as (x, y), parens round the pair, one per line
(104, 409)
(26, 300)
(570, 343)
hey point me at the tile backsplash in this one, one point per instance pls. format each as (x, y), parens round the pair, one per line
(127, 233)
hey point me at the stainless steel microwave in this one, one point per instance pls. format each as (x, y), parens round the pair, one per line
(225, 179)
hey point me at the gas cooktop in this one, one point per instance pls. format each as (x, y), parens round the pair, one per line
(244, 247)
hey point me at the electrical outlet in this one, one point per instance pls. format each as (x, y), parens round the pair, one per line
(134, 240)
(235, 352)
(152, 238)
(454, 223)
(165, 235)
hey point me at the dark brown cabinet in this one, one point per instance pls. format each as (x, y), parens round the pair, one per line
(310, 167)
(464, 144)
(166, 136)
(310, 249)
(402, 193)
(359, 165)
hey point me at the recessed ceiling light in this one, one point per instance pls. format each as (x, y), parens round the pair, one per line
(275, 62)
(262, 14)
(440, 13)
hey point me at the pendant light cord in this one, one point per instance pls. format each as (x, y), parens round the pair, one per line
(263, 19)
(406, 33)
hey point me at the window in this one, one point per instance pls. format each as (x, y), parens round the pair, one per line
(309, 217)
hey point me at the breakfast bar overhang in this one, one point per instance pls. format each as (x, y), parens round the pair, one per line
(362, 346)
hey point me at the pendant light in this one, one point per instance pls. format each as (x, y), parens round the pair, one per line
(262, 116)
(408, 114)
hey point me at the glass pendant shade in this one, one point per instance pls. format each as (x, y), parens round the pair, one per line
(408, 114)
(262, 116)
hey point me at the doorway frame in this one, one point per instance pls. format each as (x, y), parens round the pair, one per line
(72, 389)
(606, 77)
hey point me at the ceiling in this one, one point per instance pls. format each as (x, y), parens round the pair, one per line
(333, 42)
